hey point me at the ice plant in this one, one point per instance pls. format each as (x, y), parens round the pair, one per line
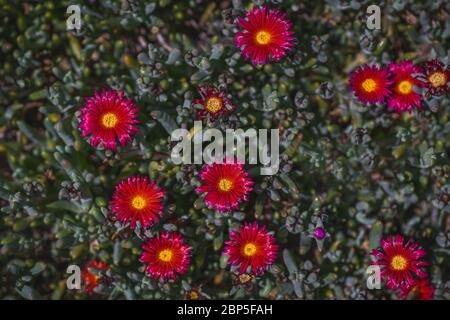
(401, 263)
(108, 117)
(404, 97)
(91, 275)
(420, 290)
(370, 84)
(435, 78)
(214, 102)
(265, 35)
(166, 255)
(137, 199)
(251, 248)
(224, 185)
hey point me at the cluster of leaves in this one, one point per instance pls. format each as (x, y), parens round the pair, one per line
(360, 172)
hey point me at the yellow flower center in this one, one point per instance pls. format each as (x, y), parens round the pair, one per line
(109, 120)
(225, 184)
(138, 202)
(249, 249)
(437, 79)
(405, 87)
(263, 37)
(369, 85)
(165, 255)
(193, 295)
(213, 104)
(399, 263)
(244, 278)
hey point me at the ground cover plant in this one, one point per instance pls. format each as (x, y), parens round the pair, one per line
(87, 178)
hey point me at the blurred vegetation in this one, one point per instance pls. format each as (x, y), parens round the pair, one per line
(362, 172)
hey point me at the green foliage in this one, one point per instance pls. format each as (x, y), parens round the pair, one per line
(363, 172)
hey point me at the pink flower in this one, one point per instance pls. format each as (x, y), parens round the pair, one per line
(404, 81)
(137, 199)
(266, 35)
(215, 103)
(108, 117)
(225, 185)
(165, 255)
(252, 247)
(435, 78)
(401, 263)
(370, 84)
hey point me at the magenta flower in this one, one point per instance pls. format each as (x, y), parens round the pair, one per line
(108, 117)
(252, 247)
(137, 199)
(215, 103)
(266, 35)
(401, 263)
(404, 83)
(435, 78)
(166, 255)
(225, 185)
(370, 84)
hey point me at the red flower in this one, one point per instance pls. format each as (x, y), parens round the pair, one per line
(165, 255)
(214, 102)
(137, 199)
(108, 117)
(91, 275)
(400, 262)
(435, 78)
(404, 81)
(251, 247)
(266, 35)
(370, 84)
(225, 185)
(420, 290)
